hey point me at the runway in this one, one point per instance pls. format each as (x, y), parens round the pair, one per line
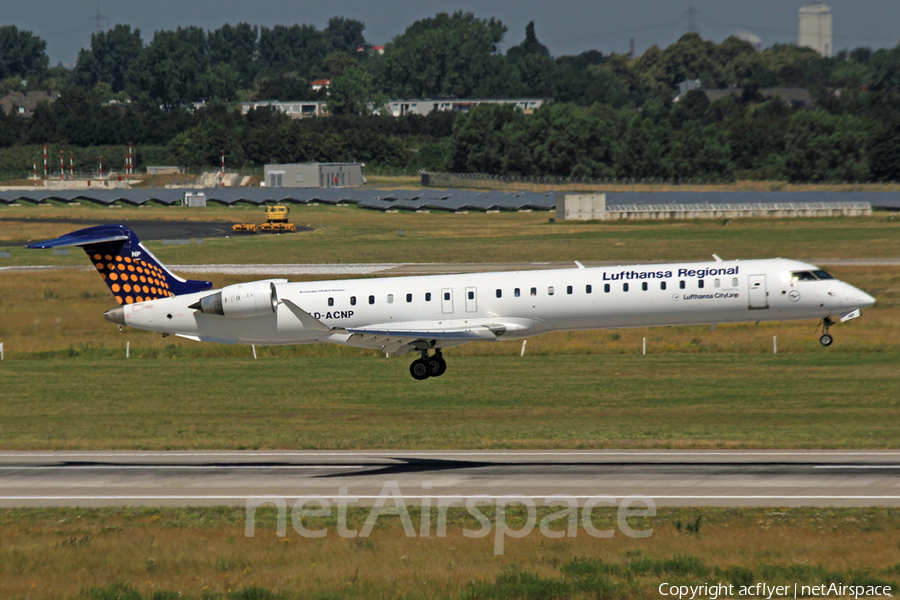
(669, 478)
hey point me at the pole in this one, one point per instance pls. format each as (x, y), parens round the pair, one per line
(1, 351)
(254, 350)
(645, 346)
(101, 168)
(523, 347)
(71, 167)
(774, 344)
(223, 166)
(45, 161)
(35, 172)
(127, 349)
(62, 167)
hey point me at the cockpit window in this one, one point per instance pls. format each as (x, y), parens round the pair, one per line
(822, 275)
(802, 276)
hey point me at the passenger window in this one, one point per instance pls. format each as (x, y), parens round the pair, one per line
(550, 291)
(499, 293)
(517, 293)
(371, 299)
(427, 296)
(700, 283)
(734, 282)
(624, 287)
(534, 291)
(715, 283)
(645, 286)
(352, 300)
(588, 289)
(331, 302)
(390, 298)
(681, 284)
(606, 288)
(409, 297)
(446, 295)
(471, 295)
(662, 285)
(569, 289)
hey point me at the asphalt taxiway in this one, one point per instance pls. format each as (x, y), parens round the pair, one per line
(669, 478)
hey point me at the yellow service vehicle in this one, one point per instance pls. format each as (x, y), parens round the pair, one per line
(276, 222)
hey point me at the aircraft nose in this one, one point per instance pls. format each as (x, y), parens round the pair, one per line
(116, 315)
(865, 299)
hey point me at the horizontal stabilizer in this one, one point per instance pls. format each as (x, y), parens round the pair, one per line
(83, 237)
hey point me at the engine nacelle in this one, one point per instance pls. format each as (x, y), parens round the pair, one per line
(254, 299)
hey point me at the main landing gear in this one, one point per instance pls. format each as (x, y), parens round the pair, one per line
(428, 366)
(826, 339)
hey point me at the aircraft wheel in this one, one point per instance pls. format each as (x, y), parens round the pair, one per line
(437, 366)
(826, 340)
(420, 369)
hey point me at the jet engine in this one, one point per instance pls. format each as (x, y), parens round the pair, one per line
(254, 299)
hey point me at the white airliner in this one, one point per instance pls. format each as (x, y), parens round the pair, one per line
(425, 314)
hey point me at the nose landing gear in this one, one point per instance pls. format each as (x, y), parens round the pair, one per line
(428, 366)
(826, 339)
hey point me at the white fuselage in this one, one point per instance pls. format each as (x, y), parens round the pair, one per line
(517, 303)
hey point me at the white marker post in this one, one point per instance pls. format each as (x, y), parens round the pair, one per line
(127, 349)
(254, 350)
(523, 348)
(1, 350)
(774, 344)
(645, 346)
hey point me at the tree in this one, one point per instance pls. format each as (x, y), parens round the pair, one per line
(22, 53)
(283, 49)
(236, 46)
(350, 92)
(821, 147)
(169, 71)
(345, 35)
(447, 55)
(529, 46)
(109, 58)
(221, 82)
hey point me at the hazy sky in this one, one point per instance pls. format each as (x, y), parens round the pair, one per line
(565, 26)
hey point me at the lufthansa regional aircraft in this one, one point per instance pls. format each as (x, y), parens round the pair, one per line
(426, 314)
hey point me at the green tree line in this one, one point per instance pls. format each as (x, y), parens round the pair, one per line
(611, 116)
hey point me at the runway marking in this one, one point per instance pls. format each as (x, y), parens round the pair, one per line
(856, 467)
(405, 453)
(162, 467)
(459, 498)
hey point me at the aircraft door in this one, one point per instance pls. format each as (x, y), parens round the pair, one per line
(759, 296)
(447, 301)
(471, 299)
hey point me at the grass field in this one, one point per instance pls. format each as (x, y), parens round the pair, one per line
(353, 235)
(65, 384)
(131, 554)
(616, 401)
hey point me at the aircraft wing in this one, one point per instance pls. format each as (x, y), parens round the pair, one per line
(470, 334)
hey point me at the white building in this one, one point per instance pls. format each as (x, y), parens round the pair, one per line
(815, 28)
(423, 106)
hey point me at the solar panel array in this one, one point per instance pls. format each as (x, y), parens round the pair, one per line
(442, 199)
